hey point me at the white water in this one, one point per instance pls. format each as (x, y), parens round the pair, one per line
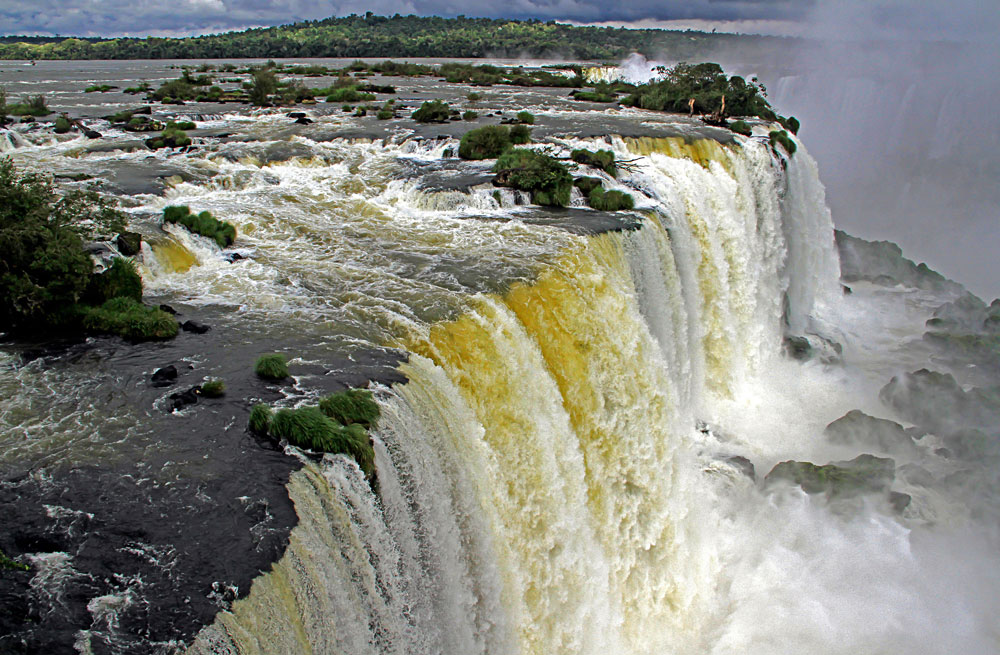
(544, 487)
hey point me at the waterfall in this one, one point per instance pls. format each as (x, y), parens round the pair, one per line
(541, 479)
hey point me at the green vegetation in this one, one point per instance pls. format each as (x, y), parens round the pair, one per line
(171, 137)
(385, 114)
(173, 90)
(271, 367)
(781, 136)
(3, 106)
(741, 127)
(339, 425)
(609, 201)
(180, 125)
(99, 88)
(525, 118)
(593, 96)
(213, 388)
(350, 407)
(369, 35)
(587, 184)
(129, 319)
(45, 271)
(120, 280)
(260, 418)
(62, 125)
(204, 224)
(349, 94)
(470, 115)
(31, 106)
(548, 180)
(707, 85)
(473, 96)
(432, 111)
(520, 135)
(791, 124)
(602, 159)
(7, 564)
(142, 87)
(486, 142)
(264, 84)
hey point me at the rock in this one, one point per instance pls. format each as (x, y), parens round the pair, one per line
(863, 474)
(91, 134)
(797, 348)
(857, 428)
(846, 289)
(899, 501)
(129, 243)
(146, 109)
(303, 121)
(182, 399)
(168, 309)
(233, 257)
(164, 377)
(27, 119)
(194, 326)
(743, 465)
(297, 114)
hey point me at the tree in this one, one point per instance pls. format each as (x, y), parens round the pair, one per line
(265, 83)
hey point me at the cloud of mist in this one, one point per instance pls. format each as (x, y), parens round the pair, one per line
(896, 105)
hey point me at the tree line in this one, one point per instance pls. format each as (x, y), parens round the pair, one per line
(395, 36)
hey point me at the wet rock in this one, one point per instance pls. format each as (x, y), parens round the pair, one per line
(899, 501)
(303, 121)
(857, 428)
(91, 134)
(164, 377)
(882, 263)
(129, 243)
(182, 399)
(861, 475)
(195, 326)
(168, 309)
(797, 348)
(297, 114)
(743, 465)
(233, 257)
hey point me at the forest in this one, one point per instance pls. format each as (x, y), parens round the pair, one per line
(396, 36)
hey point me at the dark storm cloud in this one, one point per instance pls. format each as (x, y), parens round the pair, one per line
(141, 17)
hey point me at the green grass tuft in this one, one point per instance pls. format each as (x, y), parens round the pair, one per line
(520, 135)
(130, 320)
(610, 201)
(121, 280)
(741, 127)
(432, 111)
(351, 406)
(260, 418)
(602, 159)
(213, 389)
(309, 427)
(781, 136)
(204, 224)
(546, 178)
(8, 564)
(486, 142)
(271, 367)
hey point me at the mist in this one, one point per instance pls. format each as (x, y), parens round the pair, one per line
(895, 103)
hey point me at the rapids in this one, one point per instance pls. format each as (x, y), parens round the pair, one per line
(565, 395)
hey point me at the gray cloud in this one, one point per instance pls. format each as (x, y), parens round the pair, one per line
(183, 17)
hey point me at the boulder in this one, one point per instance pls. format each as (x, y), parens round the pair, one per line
(302, 120)
(129, 243)
(164, 377)
(168, 309)
(91, 134)
(861, 475)
(855, 428)
(194, 326)
(182, 399)
(743, 465)
(797, 348)
(297, 114)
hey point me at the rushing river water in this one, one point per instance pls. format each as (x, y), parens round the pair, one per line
(573, 402)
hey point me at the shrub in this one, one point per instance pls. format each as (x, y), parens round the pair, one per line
(260, 418)
(129, 319)
(32, 106)
(545, 177)
(432, 111)
(520, 135)
(347, 108)
(271, 367)
(741, 127)
(205, 224)
(602, 159)
(121, 280)
(525, 118)
(143, 87)
(349, 94)
(361, 111)
(485, 142)
(593, 96)
(781, 136)
(263, 85)
(180, 125)
(213, 389)
(473, 96)
(587, 184)
(44, 269)
(610, 201)
(470, 115)
(351, 406)
(62, 125)
(791, 124)
(99, 88)
(171, 90)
